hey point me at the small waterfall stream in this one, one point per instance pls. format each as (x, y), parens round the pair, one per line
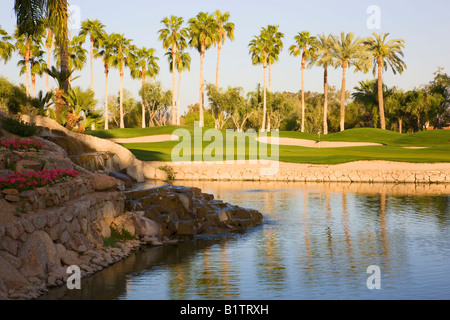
(97, 161)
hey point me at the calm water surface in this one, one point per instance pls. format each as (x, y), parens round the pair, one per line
(316, 243)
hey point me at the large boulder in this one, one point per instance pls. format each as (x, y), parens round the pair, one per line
(103, 182)
(36, 253)
(145, 227)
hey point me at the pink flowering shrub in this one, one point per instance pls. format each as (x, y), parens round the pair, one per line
(31, 180)
(19, 145)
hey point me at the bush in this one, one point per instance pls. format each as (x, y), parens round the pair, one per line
(19, 127)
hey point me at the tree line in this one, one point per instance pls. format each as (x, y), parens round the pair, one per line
(42, 24)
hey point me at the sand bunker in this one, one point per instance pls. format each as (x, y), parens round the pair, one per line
(316, 144)
(415, 148)
(147, 139)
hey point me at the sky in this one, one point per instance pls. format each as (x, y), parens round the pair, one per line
(424, 26)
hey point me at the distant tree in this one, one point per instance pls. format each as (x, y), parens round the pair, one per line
(203, 33)
(174, 37)
(348, 51)
(385, 53)
(145, 65)
(304, 46)
(96, 31)
(6, 47)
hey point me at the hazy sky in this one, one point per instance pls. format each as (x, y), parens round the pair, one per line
(424, 26)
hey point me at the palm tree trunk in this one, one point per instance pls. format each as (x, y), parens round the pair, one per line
(325, 101)
(122, 124)
(303, 96)
(178, 98)
(380, 94)
(174, 54)
(33, 84)
(92, 64)
(143, 107)
(65, 64)
(27, 65)
(202, 56)
(400, 125)
(106, 100)
(270, 77)
(344, 69)
(263, 126)
(216, 108)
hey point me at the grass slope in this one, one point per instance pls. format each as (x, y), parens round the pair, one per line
(393, 149)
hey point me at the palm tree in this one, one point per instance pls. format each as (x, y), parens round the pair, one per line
(145, 65)
(27, 46)
(203, 32)
(173, 37)
(183, 63)
(95, 30)
(77, 54)
(105, 52)
(37, 67)
(122, 56)
(49, 42)
(348, 51)
(304, 46)
(385, 53)
(225, 29)
(61, 78)
(6, 48)
(260, 47)
(276, 49)
(30, 16)
(324, 59)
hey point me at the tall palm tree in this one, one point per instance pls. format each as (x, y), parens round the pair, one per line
(49, 42)
(324, 59)
(385, 53)
(259, 49)
(203, 32)
(225, 29)
(145, 65)
(30, 16)
(122, 56)
(105, 51)
(273, 55)
(173, 37)
(95, 30)
(305, 46)
(77, 55)
(27, 46)
(183, 63)
(348, 51)
(37, 67)
(6, 47)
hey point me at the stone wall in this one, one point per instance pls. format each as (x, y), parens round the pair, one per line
(363, 171)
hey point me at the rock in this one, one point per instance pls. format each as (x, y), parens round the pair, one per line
(222, 215)
(25, 166)
(103, 182)
(36, 252)
(70, 258)
(11, 278)
(146, 227)
(184, 200)
(123, 177)
(12, 198)
(135, 172)
(11, 192)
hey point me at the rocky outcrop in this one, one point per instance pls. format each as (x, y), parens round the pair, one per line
(187, 212)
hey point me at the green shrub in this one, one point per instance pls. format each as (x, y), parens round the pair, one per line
(170, 173)
(19, 127)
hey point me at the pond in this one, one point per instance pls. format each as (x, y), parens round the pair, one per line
(317, 242)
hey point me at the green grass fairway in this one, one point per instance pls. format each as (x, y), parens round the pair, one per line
(437, 143)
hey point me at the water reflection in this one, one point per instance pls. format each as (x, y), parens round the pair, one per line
(316, 243)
